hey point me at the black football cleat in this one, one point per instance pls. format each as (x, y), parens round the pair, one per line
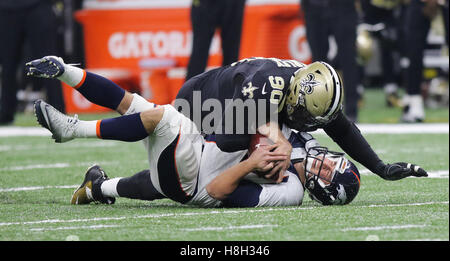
(90, 191)
(46, 67)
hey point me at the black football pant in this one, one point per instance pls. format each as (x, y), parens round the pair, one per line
(138, 186)
(338, 18)
(206, 16)
(388, 37)
(37, 25)
(417, 26)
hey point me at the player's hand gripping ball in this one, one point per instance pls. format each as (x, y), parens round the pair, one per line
(256, 141)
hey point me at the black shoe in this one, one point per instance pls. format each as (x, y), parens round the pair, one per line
(90, 191)
(407, 117)
(46, 67)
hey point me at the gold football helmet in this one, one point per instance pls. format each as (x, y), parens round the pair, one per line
(364, 46)
(314, 97)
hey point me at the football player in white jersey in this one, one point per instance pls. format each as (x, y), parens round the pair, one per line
(183, 166)
(225, 181)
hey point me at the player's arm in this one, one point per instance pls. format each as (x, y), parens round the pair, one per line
(350, 139)
(226, 182)
(289, 193)
(252, 194)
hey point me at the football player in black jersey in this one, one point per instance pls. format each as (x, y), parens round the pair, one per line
(305, 97)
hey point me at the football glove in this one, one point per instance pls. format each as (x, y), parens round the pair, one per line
(400, 170)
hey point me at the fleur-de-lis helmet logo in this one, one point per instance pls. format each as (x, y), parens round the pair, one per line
(308, 83)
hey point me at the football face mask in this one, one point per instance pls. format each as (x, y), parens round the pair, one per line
(331, 179)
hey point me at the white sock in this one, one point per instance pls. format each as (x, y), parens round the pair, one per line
(416, 107)
(72, 76)
(87, 129)
(109, 188)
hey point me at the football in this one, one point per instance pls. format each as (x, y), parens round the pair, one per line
(256, 141)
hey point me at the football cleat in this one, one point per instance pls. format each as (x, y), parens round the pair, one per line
(90, 191)
(60, 125)
(46, 67)
(391, 94)
(413, 110)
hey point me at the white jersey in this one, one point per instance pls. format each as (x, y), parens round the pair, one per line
(182, 163)
(253, 191)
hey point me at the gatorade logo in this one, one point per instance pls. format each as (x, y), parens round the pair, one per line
(154, 44)
(298, 46)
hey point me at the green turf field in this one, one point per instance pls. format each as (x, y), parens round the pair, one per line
(37, 178)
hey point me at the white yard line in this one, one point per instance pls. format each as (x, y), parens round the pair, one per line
(404, 205)
(212, 212)
(399, 128)
(57, 165)
(27, 147)
(37, 166)
(395, 128)
(438, 174)
(382, 228)
(228, 228)
(37, 188)
(431, 174)
(12, 131)
(76, 227)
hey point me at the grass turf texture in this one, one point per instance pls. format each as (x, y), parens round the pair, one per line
(37, 178)
(409, 209)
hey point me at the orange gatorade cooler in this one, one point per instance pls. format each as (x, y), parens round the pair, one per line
(152, 41)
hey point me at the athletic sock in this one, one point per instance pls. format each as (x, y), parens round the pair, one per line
(73, 76)
(109, 187)
(123, 128)
(93, 87)
(86, 129)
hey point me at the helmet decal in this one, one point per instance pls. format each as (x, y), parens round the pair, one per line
(341, 197)
(308, 83)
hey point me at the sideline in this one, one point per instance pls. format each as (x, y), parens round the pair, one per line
(397, 128)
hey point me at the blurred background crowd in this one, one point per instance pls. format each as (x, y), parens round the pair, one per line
(152, 46)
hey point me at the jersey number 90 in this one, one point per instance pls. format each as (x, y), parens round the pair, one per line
(277, 84)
